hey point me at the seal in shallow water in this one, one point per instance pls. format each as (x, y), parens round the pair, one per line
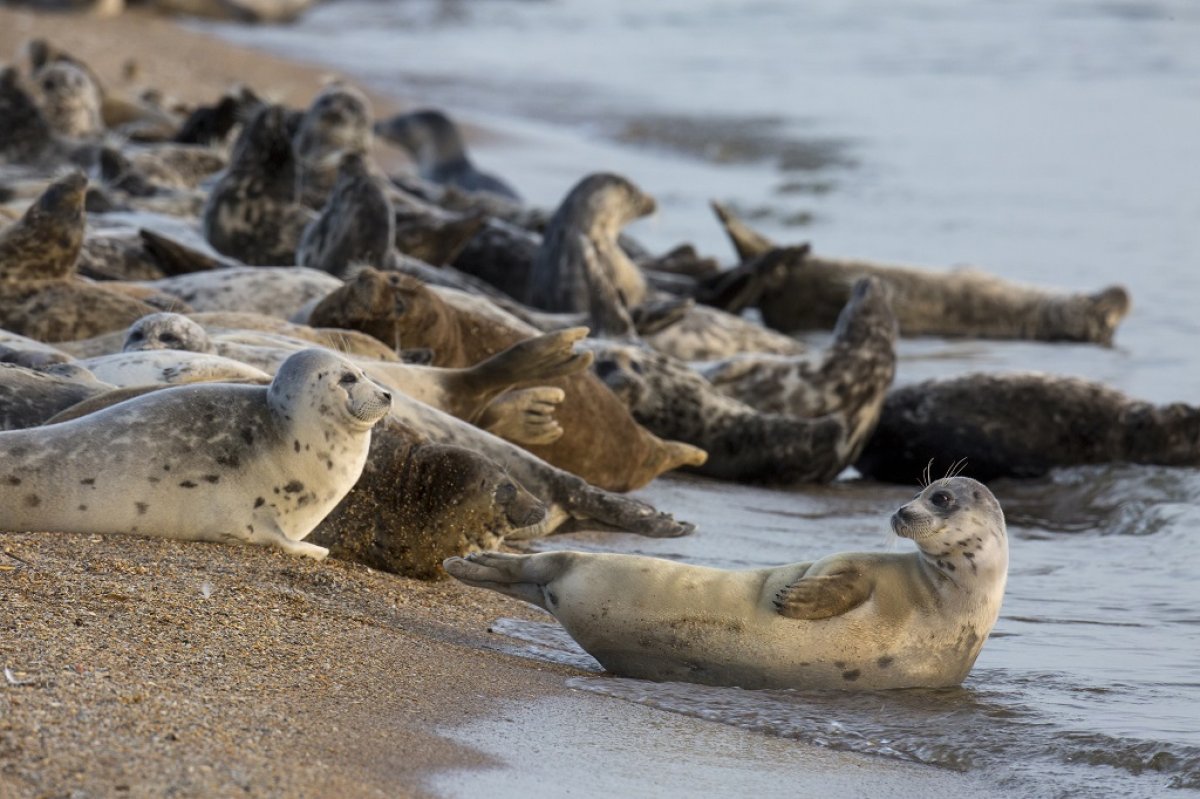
(261, 465)
(851, 620)
(1023, 425)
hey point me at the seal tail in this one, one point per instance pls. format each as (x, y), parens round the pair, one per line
(519, 576)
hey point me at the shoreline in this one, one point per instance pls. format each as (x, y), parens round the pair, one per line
(154, 667)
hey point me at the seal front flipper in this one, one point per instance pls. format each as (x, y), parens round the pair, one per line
(747, 241)
(824, 595)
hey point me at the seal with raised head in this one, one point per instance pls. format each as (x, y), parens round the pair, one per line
(594, 210)
(1023, 425)
(355, 227)
(337, 123)
(252, 213)
(432, 140)
(260, 465)
(70, 100)
(852, 620)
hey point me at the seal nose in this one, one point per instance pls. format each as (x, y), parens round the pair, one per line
(387, 396)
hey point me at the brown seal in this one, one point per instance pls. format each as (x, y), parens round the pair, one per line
(601, 442)
(961, 303)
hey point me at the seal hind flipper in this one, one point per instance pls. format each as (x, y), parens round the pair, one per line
(174, 258)
(539, 358)
(524, 416)
(825, 595)
(657, 315)
(513, 575)
(747, 241)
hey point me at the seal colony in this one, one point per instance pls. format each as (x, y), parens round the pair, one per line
(241, 369)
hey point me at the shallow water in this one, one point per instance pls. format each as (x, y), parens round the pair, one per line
(1049, 142)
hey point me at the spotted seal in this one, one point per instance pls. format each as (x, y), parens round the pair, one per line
(1023, 425)
(260, 465)
(852, 620)
(596, 209)
(29, 397)
(433, 141)
(962, 303)
(270, 290)
(252, 213)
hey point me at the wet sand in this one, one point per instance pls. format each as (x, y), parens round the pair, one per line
(141, 667)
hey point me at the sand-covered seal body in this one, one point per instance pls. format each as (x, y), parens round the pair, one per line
(418, 503)
(252, 213)
(594, 211)
(433, 141)
(852, 621)
(1023, 425)
(260, 465)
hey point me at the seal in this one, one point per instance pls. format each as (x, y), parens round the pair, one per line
(862, 621)
(962, 303)
(601, 442)
(355, 227)
(418, 503)
(1023, 425)
(169, 367)
(269, 290)
(705, 333)
(594, 210)
(45, 242)
(432, 140)
(337, 123)
(70, 100)
(29, 397)
(252, 213)
(25, 135)
(259, 465)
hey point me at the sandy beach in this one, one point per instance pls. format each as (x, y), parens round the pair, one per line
(136, 667)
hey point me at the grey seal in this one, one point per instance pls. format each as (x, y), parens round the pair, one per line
(852, 620)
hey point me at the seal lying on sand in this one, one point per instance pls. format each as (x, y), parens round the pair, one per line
(601, 441)
(1023, 425)
(964, 302)
(418, 503)
(434, 143)
(28, 397)
(595, 209)
(852, 620)
(271, 290)
(252, 213)
(212, 463)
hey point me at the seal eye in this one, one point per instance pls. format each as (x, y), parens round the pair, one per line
(941, 499)
(348, 378)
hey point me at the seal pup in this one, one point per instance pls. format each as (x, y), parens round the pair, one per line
(861, 621)
(356, 226)
(432, 140)
(256, 464)
(337, 123)
(961, 303)
(70, 100)
(601, 442)
(418, 503)
(252, 213)
(1023, 425)
(595, 209)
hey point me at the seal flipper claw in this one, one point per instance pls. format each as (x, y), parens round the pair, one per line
(824, 596)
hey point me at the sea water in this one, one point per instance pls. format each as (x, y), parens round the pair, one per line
(1055, 142)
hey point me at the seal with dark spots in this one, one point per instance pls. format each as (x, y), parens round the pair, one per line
(189, 431)
(1023, 425)
(30, 397)
(252, 213)
(355, 227)
(823, 624)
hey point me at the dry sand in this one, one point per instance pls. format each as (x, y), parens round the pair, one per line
(138, 667)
